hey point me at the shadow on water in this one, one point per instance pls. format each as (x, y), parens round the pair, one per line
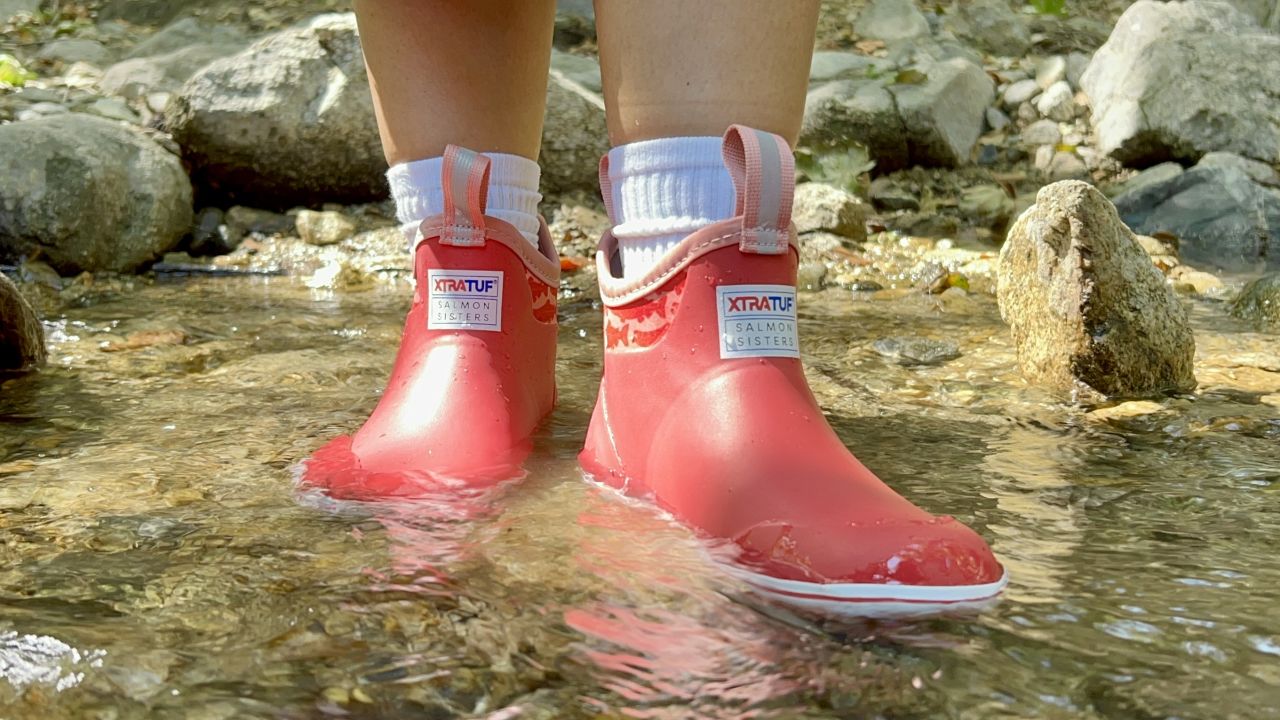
(157, 561)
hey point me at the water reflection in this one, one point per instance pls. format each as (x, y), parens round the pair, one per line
(1030, 468)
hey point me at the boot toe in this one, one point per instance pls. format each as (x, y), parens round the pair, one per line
(889, 568)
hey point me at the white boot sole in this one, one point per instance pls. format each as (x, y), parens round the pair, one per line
(867, 600)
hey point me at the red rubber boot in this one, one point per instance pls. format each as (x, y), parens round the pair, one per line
(476, 368)
(704, 409)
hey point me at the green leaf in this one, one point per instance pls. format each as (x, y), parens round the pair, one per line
(12, 74)
(1050, 7)
(911, 76)
(842, 168)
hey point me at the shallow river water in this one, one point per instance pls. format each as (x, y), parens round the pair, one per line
(156, 560)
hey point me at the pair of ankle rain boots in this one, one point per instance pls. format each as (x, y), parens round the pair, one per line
(703, 409)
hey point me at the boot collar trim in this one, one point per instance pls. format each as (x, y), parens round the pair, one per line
(617, 292)
(542, 262)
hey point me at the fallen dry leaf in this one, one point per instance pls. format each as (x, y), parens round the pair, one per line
(851, 256)
(572, 263)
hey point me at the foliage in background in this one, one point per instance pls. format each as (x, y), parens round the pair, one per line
(844, 168)
(12, 74)
(1050, 7)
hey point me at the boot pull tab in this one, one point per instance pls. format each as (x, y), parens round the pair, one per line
(466, 190)
(764, 178)
(606, 188)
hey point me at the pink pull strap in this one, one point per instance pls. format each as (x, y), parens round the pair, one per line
(606, 188)
(466, 189)
(764, 177)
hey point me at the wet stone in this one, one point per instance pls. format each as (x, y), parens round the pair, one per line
(916, 351)
(1090, 313)
(1260, 301)
(811, 276)
(823, 207)
(324, 228)
(22, 344)
(1133, 408)
(209, 236)
(1221, 214)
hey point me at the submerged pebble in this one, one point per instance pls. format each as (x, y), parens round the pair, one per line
(917, 350)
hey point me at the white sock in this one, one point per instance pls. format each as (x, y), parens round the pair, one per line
(662, 190)
(513, 191)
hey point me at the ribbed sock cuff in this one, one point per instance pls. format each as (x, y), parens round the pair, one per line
(662, 190)
(513, 191)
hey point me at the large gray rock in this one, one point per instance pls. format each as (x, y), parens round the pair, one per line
(579, 68)
(892, 21)
(574, 136)
(991, 25)
(1259, 172)
(167, 59)
(575, 22)
(1220, 214)
(87, 193)
(943, 116)
(820, 207)
(136, 77)
(935, 122)
(843, 113)
(1177, 80)
(1091, 315)
(21, 334)
(289, 121)
(185, 33)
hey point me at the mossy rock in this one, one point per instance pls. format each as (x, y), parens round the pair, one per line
(1260, 301)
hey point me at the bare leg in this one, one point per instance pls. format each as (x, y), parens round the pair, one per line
(674, 68)
(468, 73)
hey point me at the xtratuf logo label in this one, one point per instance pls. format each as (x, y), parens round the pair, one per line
(757, 321)
(464, 300)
